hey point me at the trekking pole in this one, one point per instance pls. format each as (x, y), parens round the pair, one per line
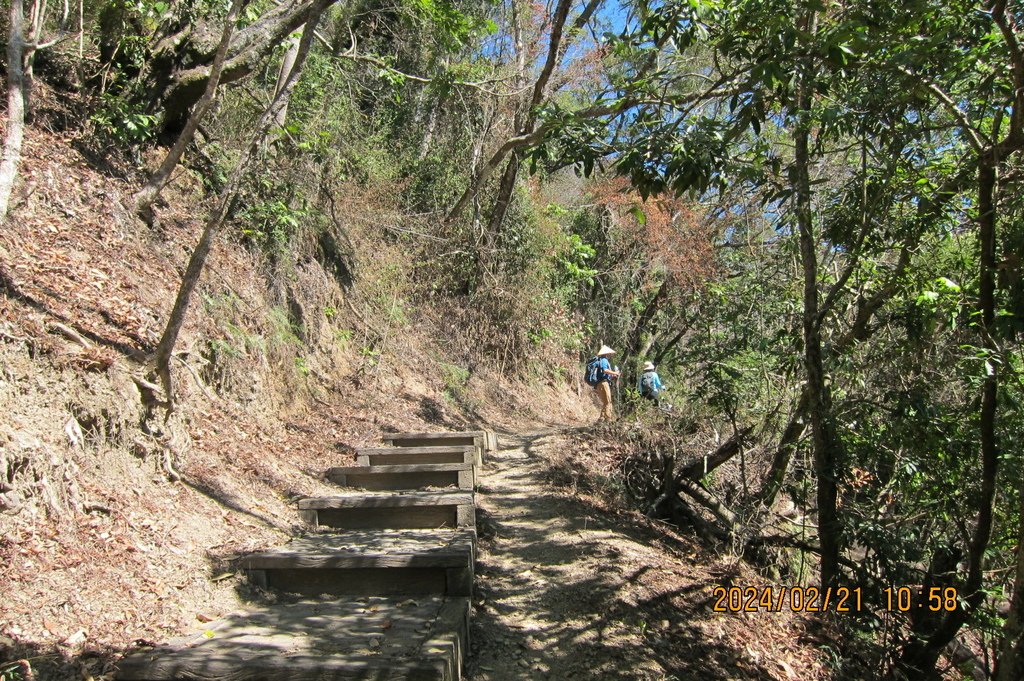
(618, 387)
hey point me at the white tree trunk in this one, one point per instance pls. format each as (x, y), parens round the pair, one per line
(15, 107)
(287, 63)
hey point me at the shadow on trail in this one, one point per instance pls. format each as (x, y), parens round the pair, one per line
(562, 591)
(313, 637)
(49, 662)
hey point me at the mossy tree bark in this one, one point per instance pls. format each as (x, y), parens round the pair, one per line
(182, 63)
(147, 195)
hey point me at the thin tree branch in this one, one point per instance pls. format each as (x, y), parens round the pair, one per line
(974, 136)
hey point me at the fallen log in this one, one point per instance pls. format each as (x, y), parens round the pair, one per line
(708, 501)
(681, 514)
(728, 449)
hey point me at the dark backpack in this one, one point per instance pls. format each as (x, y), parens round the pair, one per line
(593, 375)
(647, 384)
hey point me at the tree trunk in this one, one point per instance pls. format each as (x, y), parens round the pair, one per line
(522, 122)
(708, 501)
(1010, 663)
(921, 654)
(784, 452)
(182, 63)
(860, 330)
(147, 195)
(728, 449)
(15, 107)
(674, 341)
(525, 122)
(213, 224)
(643, 320)
(492, 237)
(819, 402)
(428, 133)
(287, 64)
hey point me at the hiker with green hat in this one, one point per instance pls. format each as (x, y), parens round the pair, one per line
(599, 376)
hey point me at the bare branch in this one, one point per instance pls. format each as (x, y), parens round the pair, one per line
(475, 85)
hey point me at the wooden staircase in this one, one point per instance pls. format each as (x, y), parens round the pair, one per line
(379, 589)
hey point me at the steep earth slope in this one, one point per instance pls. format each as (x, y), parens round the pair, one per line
(116, 523)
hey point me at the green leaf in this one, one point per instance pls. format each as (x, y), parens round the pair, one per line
(638, 213)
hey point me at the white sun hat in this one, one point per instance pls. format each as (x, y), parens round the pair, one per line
(605, 350)
(648, 366)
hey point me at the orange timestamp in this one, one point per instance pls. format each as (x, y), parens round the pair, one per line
(934, 599)
(834, 599)
(786, 598)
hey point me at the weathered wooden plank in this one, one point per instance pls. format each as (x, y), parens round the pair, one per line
(402, 456)
(409, 548)
(375, 481)
(429, 449)
(395, 510)
(373, 581)
(481, 439)
(372, 500)
(368, 563)
(434, 440)
(405, 468)
(450, 639)
(195, 666)
(449, 558)
(436, 435)
(404, 477)
(404, 517)
(459, 582)
(487, 438)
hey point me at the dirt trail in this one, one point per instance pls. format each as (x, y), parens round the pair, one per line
(566, 590)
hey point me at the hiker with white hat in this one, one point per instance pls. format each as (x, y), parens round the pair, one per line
(650, 385)
(599, 375)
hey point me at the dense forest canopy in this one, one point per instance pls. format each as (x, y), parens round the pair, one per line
(807, 213)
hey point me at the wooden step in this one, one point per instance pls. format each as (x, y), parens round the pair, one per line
(409, 476)
(482, 439)
(478, 438)
(386, 456)
(368, 639)
(369, 563)
(390, 510)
